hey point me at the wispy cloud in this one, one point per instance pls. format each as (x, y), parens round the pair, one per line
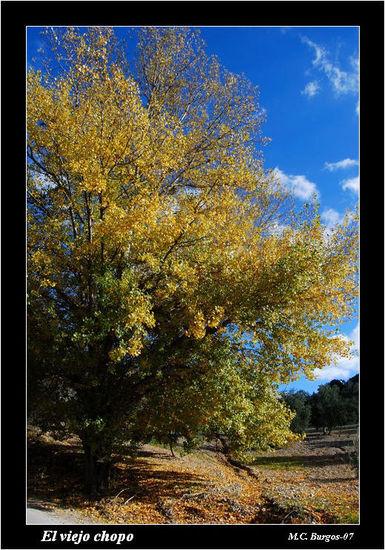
(342, 82)
(341, 164)
(299, 185)
(353, 184)
(311, 89)
(343, 367)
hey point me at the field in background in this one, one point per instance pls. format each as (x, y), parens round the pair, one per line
(314, 477)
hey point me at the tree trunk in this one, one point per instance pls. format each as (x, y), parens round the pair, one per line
(97, 472)
(171, 447)
(225, 447)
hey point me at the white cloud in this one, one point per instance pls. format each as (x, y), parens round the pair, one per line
(353, 184)
(358, 108)
(319, 51)
(331, 217)
(343, 82)
(341, 164)
(311, 89)
(299, 185)
(278, 229)
(355, 336)
(342, 367)
(346, 368)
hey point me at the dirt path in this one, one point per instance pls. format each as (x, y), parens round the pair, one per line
(39, 513)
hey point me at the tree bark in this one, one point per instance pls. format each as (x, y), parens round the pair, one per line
(171, 447)
(97, 472)
(225, 447)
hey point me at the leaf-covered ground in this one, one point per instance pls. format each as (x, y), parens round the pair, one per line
(310, 482)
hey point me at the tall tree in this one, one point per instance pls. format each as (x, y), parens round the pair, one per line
(331, 406)
(350, 392)
(298, 402)
(167, 270)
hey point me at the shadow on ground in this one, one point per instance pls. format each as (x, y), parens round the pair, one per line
(40, 505)
(56, 474)
(301, 460)
(331, 443)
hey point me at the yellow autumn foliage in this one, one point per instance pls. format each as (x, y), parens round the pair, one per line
(152, 232)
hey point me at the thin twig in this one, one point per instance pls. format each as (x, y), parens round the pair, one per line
(287, 515)
(120, 492)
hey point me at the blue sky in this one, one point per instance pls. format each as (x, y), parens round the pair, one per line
(308, 81)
